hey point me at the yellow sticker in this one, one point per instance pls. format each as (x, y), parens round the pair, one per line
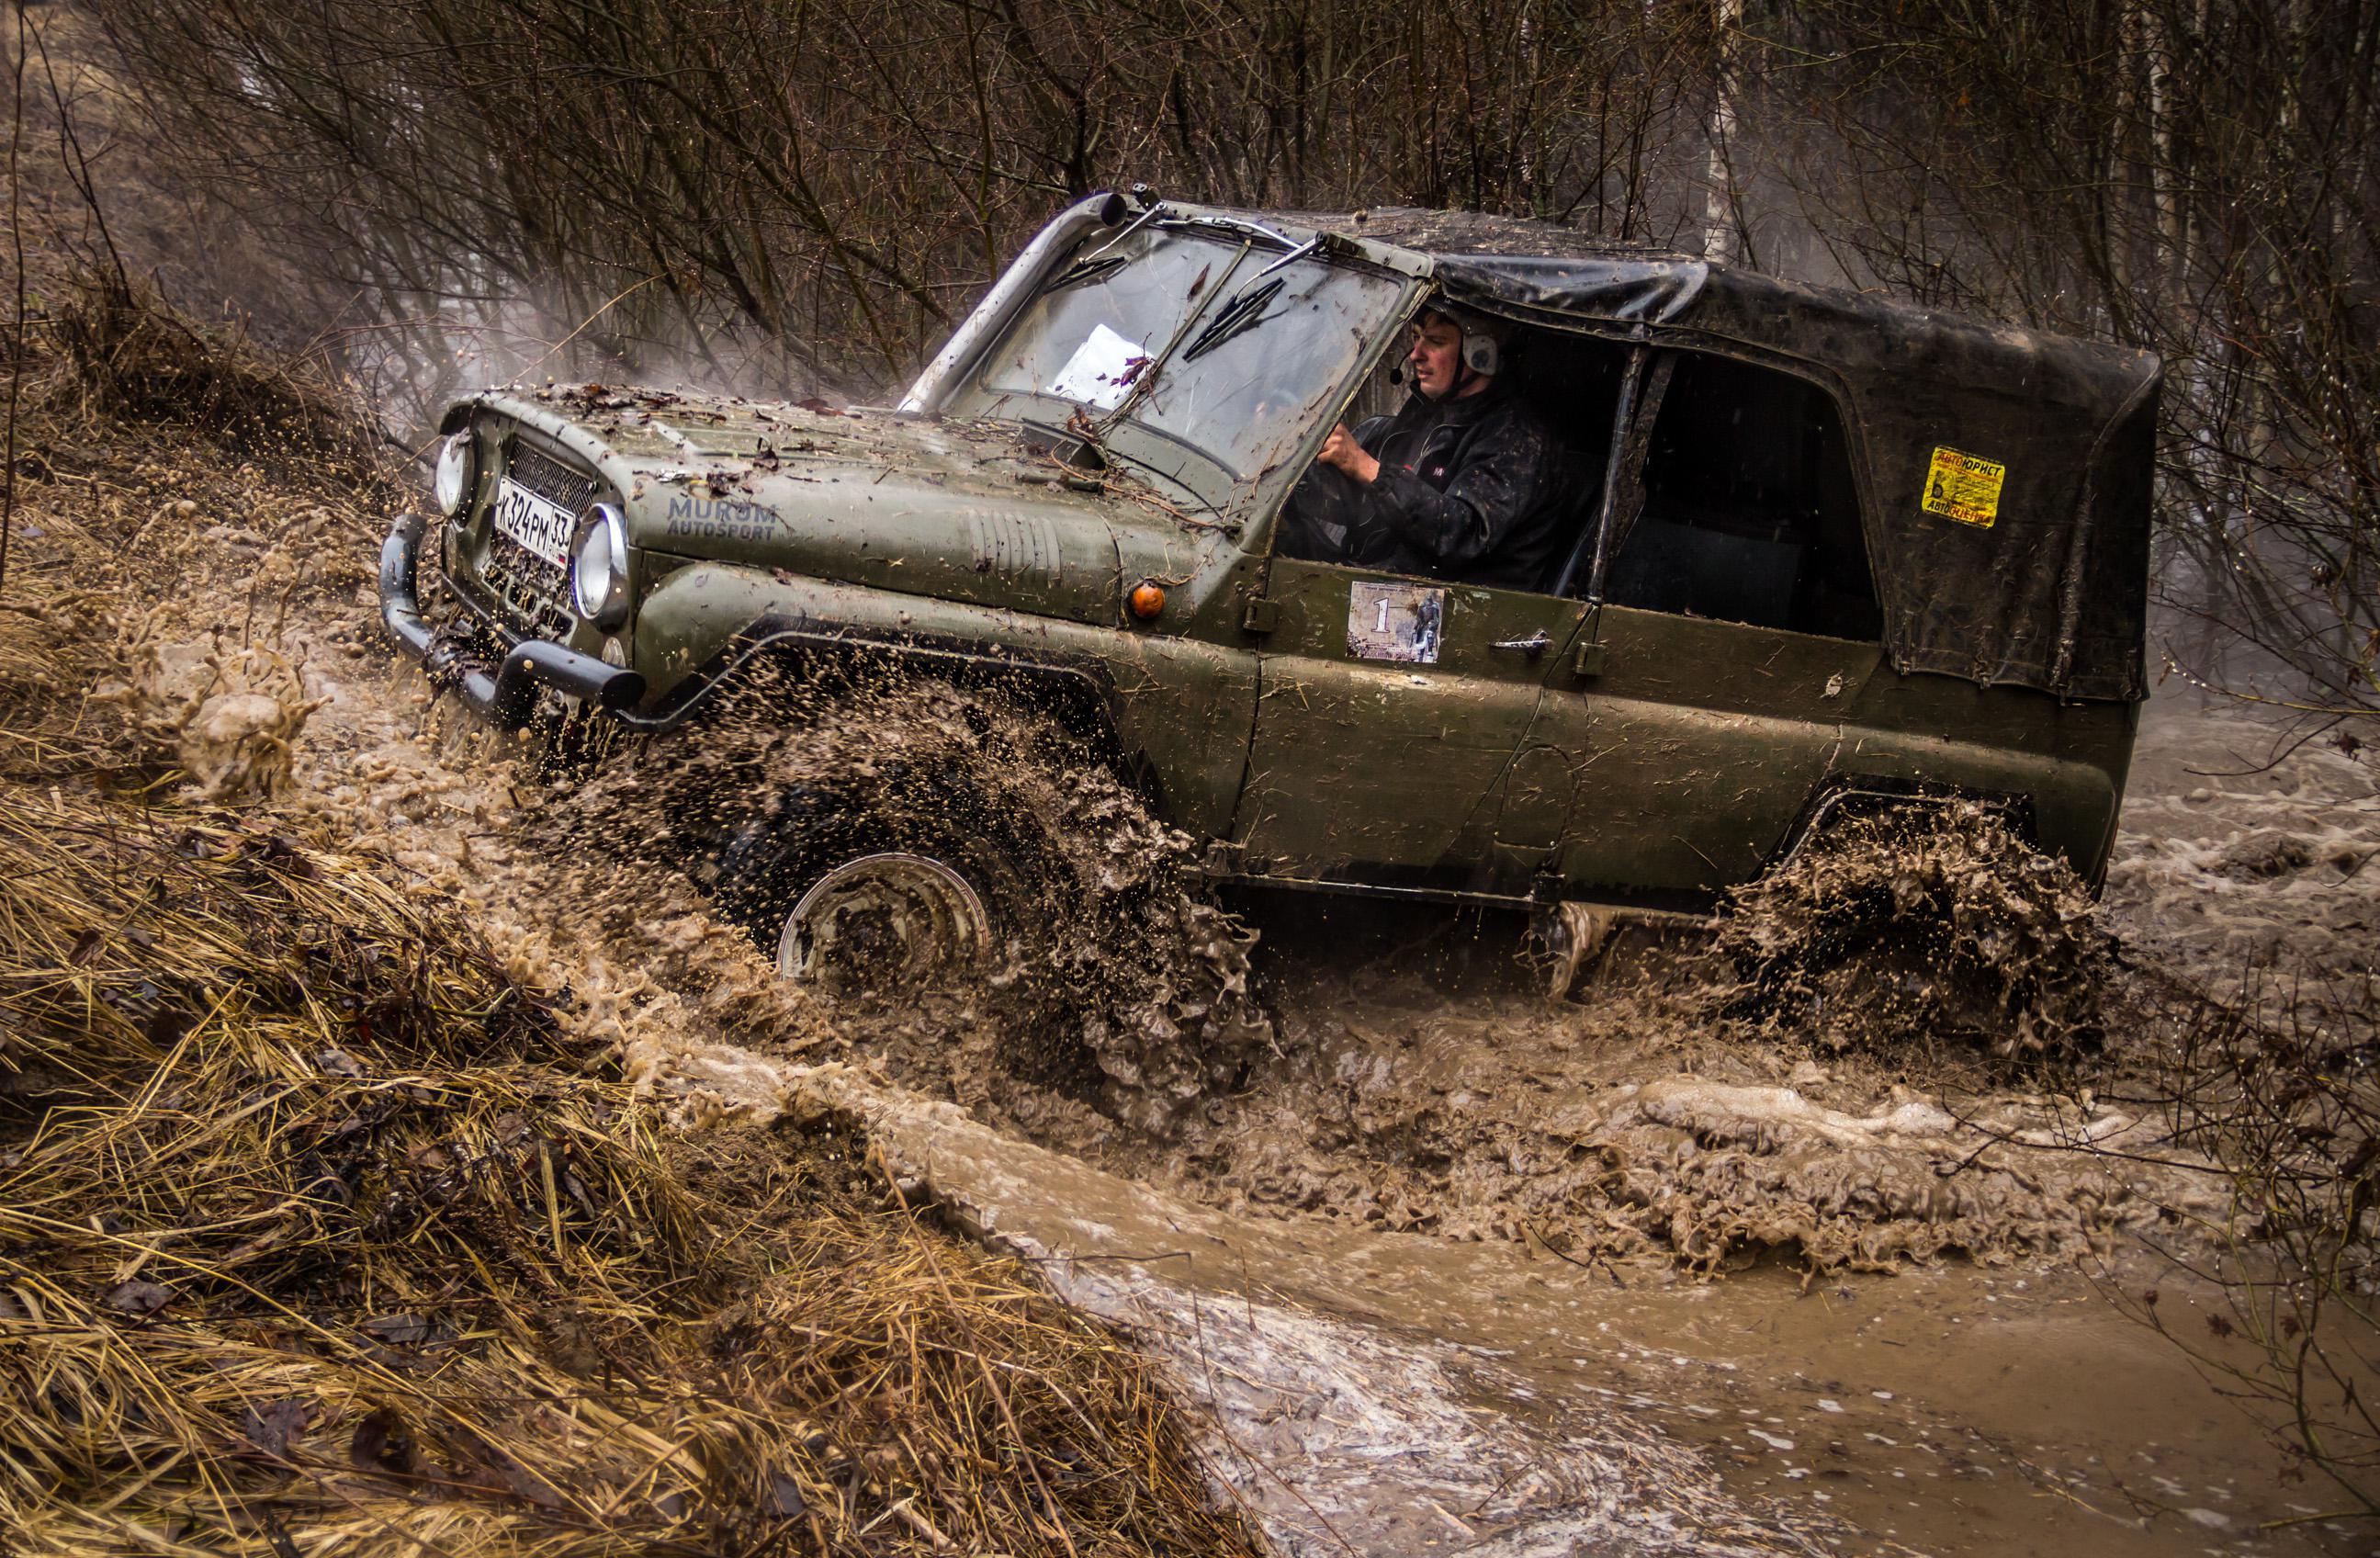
(1964, 487)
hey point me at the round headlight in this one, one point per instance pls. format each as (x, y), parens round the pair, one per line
(454, 478)
(599, 568)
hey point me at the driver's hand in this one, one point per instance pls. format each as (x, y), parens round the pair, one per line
(1341, 450)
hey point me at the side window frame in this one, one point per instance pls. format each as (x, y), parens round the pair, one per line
(1260, 540)
(1639, 416)
(1644, 384)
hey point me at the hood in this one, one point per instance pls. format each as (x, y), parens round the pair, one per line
(957, 510)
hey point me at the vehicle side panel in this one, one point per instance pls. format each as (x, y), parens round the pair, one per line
(1695, 747)
(1392, 771)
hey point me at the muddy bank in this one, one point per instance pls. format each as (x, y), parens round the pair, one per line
(1621, 1128)
(327, 1213)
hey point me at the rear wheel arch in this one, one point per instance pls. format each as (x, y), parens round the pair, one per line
(1844, 797)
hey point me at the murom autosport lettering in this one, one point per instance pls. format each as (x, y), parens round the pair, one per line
(721, 518)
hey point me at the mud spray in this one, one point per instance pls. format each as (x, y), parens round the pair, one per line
(1426, 1250)
(1433, 1254)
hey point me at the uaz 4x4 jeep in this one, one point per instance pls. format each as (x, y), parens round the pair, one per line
(1840, 552)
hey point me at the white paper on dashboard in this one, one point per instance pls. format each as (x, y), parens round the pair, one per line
(1100, 371)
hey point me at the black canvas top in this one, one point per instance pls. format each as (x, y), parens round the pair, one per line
(2042, 584)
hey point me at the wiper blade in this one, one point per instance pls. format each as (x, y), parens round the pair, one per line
(1242, 314)
(1093, 264)
(1238, 227)
(1245, 311)
(1083, 270)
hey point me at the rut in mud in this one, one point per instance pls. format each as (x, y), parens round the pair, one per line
(1884, 1055)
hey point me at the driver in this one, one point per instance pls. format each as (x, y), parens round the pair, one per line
(1462, 483)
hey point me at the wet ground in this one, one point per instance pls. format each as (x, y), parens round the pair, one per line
(1468, 1270)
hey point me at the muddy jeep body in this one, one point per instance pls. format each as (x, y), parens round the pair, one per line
(1604, 737)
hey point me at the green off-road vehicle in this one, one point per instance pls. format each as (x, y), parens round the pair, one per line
(1827, 553)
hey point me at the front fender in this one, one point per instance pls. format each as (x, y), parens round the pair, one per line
(1177, 710)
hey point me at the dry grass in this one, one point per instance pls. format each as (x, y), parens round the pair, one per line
(317, 1234)
(126, 356)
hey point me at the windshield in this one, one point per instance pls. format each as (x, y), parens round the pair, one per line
(1252, 354)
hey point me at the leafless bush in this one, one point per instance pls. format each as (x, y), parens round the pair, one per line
(809, 193)
(2288, 1100)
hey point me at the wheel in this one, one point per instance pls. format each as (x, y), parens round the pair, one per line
(929, 836)
(883, 922)
(880, 894)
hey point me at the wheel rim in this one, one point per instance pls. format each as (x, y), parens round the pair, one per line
(883, 922)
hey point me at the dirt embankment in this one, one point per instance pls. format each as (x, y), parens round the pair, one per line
(327, 1212)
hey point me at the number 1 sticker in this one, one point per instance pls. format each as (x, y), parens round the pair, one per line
(1402, 621)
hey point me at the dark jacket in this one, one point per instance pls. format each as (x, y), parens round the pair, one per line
(1473, 490)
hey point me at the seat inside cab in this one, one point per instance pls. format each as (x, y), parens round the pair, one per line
(1750, 510)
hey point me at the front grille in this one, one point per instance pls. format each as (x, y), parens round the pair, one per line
(549, 478)
(532, 590)
(533, 594)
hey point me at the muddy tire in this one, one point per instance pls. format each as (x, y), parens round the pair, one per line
(1916, 925)
(878, 895)
(930, 833)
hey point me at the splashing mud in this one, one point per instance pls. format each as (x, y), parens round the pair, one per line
(1112, 978)
(1835, 1075)
(230, 715)
(1421, 1244)
(1942, 923)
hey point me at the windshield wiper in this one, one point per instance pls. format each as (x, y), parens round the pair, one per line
(1242, 312)
(1245, 311)
(1083, 270)
(1098, 262)
(1238, 227)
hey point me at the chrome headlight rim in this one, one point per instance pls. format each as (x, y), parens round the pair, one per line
(599, 568)
(450, 485)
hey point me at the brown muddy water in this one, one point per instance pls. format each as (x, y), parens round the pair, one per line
(1465, 1270)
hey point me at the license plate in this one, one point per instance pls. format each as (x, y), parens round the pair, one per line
(541, 527)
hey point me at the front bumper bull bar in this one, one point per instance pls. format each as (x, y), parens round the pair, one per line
(508, 695)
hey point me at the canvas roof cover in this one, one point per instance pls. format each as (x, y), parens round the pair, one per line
(2047, 591)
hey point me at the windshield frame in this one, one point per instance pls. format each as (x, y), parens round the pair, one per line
(1150, 445)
